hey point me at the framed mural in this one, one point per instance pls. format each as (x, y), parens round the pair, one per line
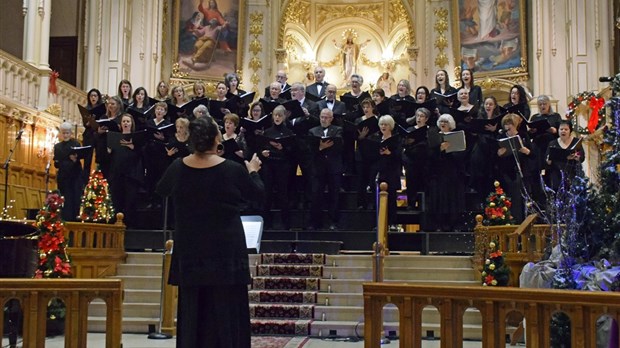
(208, 37)
(491, 37)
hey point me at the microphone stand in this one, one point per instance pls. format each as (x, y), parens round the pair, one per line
(6, 168)
(159, 335)
(47, 176)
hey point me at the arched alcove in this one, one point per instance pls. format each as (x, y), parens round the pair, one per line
(344, 38)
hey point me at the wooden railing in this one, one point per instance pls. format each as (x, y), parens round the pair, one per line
(34, 295)
(95, 249)
(494, 303)
(519, 244)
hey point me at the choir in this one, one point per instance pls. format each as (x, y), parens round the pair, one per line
(366, 133)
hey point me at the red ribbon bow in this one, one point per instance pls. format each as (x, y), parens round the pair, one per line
(52, 88)
(595, 104)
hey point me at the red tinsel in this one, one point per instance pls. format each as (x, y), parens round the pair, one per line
(53, 88)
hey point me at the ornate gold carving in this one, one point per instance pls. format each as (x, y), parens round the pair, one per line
(413, 52)
(54, 109)
(255, 47)
(256, 30)
(370, 12)
(397, 14)
(255, 63)
(256, 23)
(281, 55)
(441, 25)
(290, 46)
(441, 60)
(441, 43)
(457, 73)
(176, 71)
(297, 12)
(488, 84)
(521, 69)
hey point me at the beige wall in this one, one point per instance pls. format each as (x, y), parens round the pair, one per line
(12, 27)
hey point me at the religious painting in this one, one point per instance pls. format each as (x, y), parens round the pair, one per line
(208, 37)
(491, 37)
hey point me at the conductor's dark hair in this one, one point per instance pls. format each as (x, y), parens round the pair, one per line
(203, 134)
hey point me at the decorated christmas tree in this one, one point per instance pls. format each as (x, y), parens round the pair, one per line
(96, 203)
(53, 259)
(497, 210)
(495, 272)
(607, 200)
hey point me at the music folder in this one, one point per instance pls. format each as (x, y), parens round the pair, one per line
(478, 124)
(137, 138)
(230, 146)
(294, 107)
(313, 97)
(372, 123)
(140, 117)
(89, 117)
(560, 154)
(541, 126)
(269, 105)
(417, 134)
(456, 141)
(445, 99)
(82, 151)
(511, 143)
(110, 124)
(168, 130)
(251, 125)
(287, 141)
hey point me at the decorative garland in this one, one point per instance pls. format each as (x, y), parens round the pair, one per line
(597, 117)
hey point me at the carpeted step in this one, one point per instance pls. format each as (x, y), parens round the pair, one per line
(280, 327)
(282, 296)
(290, 270)
(299, 259)
(290, 283)
(279, 311)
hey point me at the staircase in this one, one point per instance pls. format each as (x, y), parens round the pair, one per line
(331, 303)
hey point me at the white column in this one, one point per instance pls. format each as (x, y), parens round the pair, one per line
(44, 11)
(29, 8)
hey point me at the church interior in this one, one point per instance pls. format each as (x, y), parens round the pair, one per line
(359, 264)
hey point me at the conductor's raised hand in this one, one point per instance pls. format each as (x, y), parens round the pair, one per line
(254, 164)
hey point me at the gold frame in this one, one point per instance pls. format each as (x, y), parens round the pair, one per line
(179, 68)
(515, 66)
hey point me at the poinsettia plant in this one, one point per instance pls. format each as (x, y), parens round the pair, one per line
(54, 261)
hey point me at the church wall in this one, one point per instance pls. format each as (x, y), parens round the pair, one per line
(12, 27)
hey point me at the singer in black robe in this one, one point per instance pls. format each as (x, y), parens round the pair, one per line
(69, 176)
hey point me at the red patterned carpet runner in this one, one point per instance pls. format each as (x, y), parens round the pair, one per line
(284, 293)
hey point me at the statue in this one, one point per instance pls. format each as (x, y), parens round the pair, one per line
(350, 51)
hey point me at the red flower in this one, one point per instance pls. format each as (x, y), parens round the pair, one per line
(488, 279)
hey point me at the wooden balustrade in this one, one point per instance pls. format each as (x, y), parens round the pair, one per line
(494, 303)
(95, 249)
(519, 244)
(34, 295)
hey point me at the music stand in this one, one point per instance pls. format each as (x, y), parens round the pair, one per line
(6, 166)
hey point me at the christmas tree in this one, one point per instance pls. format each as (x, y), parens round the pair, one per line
(96, 203)
(495, 272)
(53, 259)
(497, 210)
(607, 199)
